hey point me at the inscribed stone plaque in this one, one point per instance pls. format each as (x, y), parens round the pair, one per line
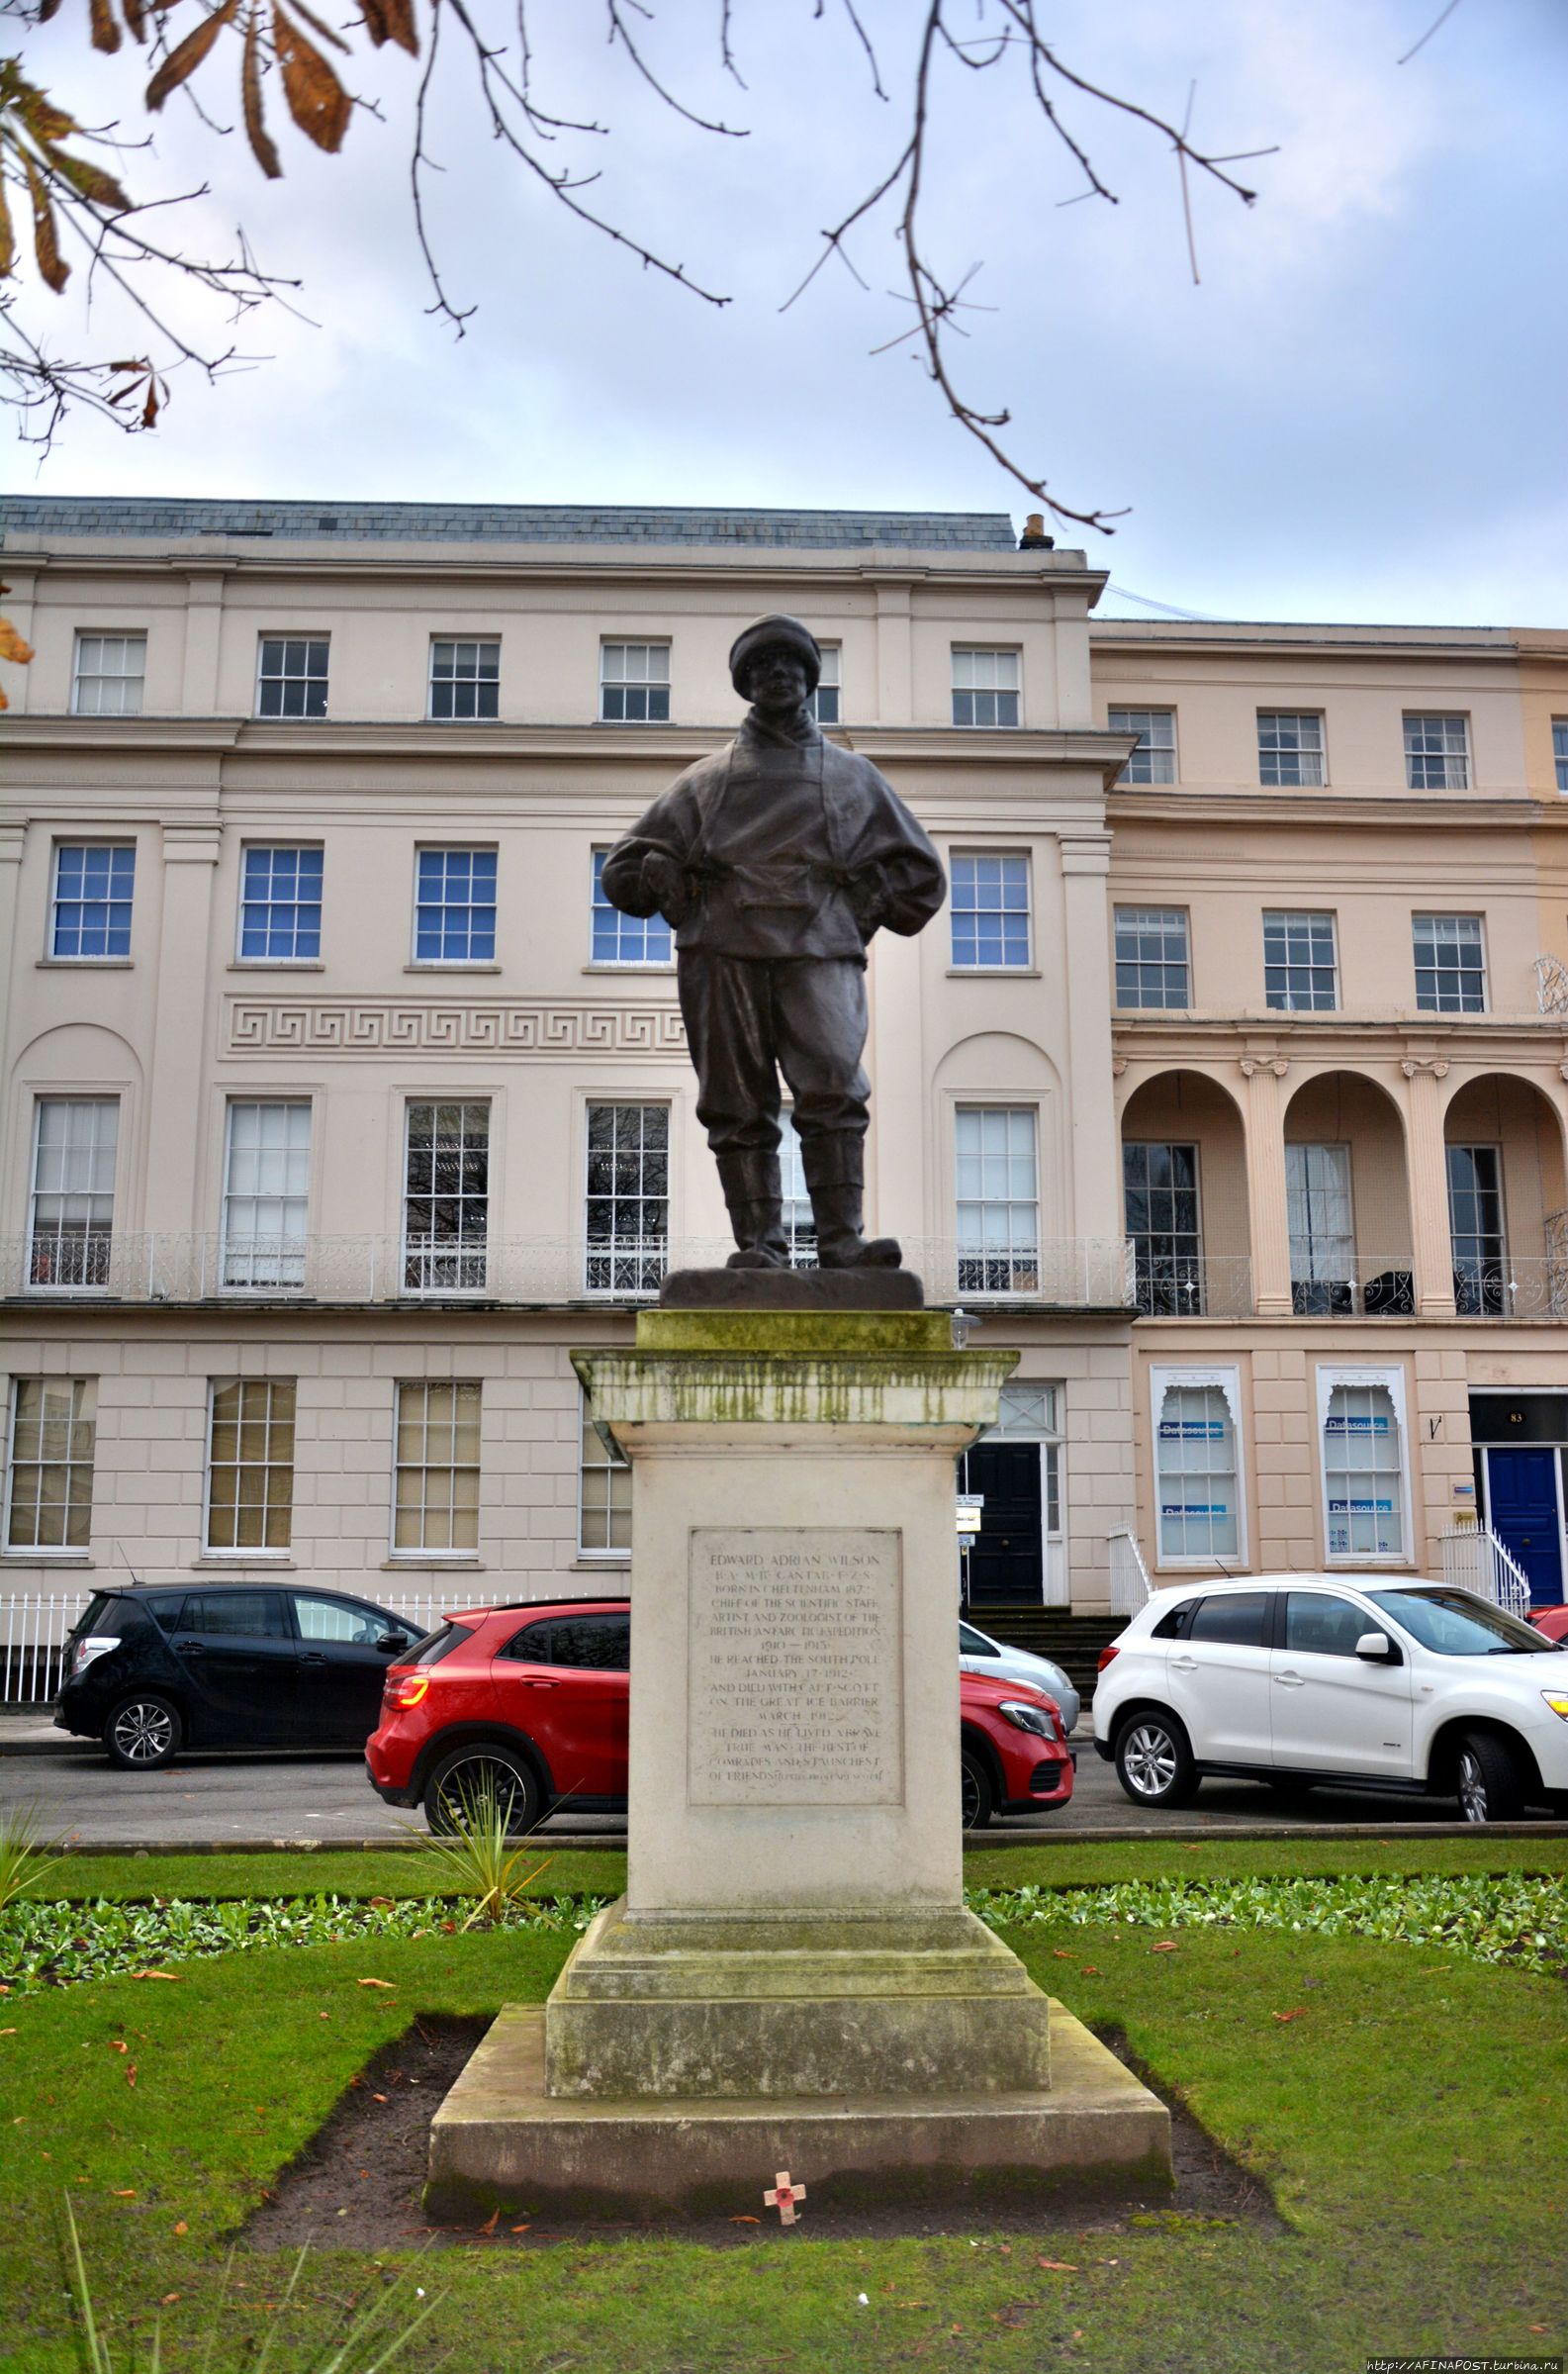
(796, 1666)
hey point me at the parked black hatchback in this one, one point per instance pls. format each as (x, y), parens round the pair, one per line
(155, 1668)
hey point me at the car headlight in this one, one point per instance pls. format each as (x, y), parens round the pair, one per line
(1557, 1701)
(1028, 1717)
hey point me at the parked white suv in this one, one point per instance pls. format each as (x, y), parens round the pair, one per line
(1303, 1679)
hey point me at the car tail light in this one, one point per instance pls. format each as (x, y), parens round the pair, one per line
(93, 1646)
(408, 1689)
(1106, 1653)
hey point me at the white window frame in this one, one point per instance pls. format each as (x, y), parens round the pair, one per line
(1316, 1246)
(635, 642)
(468, 1257)
(265, 1553)
(1560, 751)
(101, 676)
(111, 848)
(1152, 919)
(1221, 1378)
(1287, 917)
(1003, 857)
(444, 962)
(481, 643)
(995, 689)
(1360, 1375)
(1461, 973)
(983, 1252)
(288, 1248)
(1454, 755)
(1149, 751)
(91, 1285)
(282, 716)
(1301, 749)
(643, 924)
(632, 1251)
(831, 680)
(606, 1555)
(250, 849)
(420, 1555)
(78, 1553)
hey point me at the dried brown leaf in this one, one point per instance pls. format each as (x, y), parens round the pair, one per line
(184, 58)
(46, 122)
(89, 181)
(136, 18)
(317, 101)
(262, 146)
(392, 20)
(45, 235)
(8, 238)
(333, 39)
(149, 416)
(105, 31)
(48, 9)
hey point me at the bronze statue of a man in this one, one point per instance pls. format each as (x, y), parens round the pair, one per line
(776, 860)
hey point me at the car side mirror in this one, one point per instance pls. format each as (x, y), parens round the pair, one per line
(391, 1641)
(1374, 1645)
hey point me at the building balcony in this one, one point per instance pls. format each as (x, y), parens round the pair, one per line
(1193, 1285)
(1354, 1285)
(148, 1268)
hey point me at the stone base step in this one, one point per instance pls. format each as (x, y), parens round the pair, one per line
(1071, 1641)
(499, 2141)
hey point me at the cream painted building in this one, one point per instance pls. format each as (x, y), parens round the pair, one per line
(337, 1106)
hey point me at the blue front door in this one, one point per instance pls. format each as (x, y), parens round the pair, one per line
(1523, 1511)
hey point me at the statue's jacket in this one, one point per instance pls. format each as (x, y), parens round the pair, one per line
(787, 846)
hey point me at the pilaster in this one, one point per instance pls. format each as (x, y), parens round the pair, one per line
(178, 1079)
(1093, 1152)
(1432, 1242)
(1268, 1221)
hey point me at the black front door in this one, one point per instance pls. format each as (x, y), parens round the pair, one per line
(1007, 1561)
(237, 1646)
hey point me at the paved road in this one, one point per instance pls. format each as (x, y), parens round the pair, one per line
(203, 1801)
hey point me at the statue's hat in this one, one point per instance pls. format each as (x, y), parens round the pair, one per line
(768, 631)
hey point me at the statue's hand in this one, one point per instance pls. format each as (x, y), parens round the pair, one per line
(867, 901)
(667, 883)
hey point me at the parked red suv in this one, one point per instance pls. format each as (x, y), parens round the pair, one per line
(530, 1702)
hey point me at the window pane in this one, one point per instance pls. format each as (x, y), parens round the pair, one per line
(251, 1464)
(634, 683)
(824, 703)
(990, 910)
(93, 886)
(1152, 961)
(1437, 754)
(1300, 966)
(984, 688)
(1289, 747)
(465, 679)
(1317, 1625)
(108, 676)
(53, 1440)
(1362, 1470)
(1195, 1474)
(454, 918)
(71, 1217)
(1475, 1223)
(626, 939)
(626, 1207)
(280, 904)
(1155, 759)
(998, 1199)
(1322, 1238)
(446, 1197)
(1160, 1184)
(266, 1193)
(437, 1491)
(1240, 1618)
(291, 676)
(1450, 966)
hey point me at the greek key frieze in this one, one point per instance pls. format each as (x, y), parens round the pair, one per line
(438, 1026)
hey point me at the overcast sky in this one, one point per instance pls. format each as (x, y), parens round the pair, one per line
(1358, 414)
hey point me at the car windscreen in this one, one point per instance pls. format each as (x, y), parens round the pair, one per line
(975, 1644)
(1458, 1624)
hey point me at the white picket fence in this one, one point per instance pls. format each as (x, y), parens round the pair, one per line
(35, 1625)
(1130, 1587)
(1474, 1560)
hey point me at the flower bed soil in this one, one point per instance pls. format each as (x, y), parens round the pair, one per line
(356, 2185)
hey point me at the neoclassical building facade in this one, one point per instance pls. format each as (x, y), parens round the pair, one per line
(338, 1106)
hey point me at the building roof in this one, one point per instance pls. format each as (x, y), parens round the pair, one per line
(24, 515)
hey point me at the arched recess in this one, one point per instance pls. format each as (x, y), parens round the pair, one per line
(65, 1238)
(1185, 1202)
(1348, 1199)
(1508, 1187)
(987, 1161)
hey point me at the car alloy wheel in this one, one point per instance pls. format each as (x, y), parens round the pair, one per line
(974, 1791)
(1148, 1760)
(1472, 1788)
(144, 1732)
(466, 1784)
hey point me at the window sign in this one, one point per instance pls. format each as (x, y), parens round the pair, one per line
(1197, 1464)
(1361, 1419)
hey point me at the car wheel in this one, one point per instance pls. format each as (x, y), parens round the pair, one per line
(1154, 1761)
(143, 1733)
(977, 1794)
(469, 1776)
(1488, 1780)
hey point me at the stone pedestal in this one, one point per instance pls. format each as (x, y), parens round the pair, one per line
(793, 1957)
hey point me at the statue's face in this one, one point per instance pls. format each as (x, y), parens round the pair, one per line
(775, 679)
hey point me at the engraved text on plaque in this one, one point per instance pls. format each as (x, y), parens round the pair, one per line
(796, 1666)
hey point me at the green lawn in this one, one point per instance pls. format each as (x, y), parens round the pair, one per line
(1409, 2122)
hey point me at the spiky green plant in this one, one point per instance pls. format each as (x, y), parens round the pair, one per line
(478, 1856)
(365, 2347)
(23, 1856)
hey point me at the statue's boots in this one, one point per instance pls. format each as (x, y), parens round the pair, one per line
(755, 1200)
(834, 1167)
